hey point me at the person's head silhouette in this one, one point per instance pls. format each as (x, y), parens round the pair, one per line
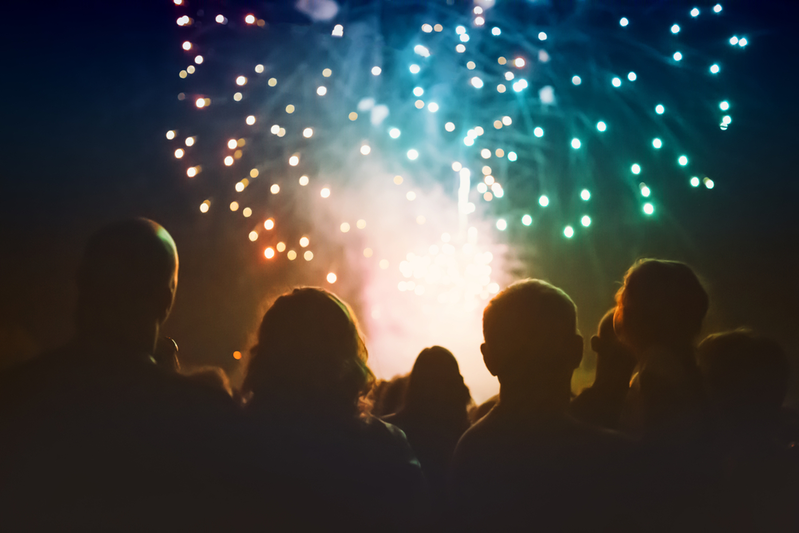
(310, 354)
(435, 386)
(662, 303)
(126, 283)
(615, 361)
(531, 340)
(746, 374)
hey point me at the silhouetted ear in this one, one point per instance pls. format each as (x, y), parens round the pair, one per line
(596, 344)
(488, 359)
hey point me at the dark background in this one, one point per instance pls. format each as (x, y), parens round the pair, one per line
(87, 93)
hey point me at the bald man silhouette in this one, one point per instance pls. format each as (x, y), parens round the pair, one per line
(96, 435)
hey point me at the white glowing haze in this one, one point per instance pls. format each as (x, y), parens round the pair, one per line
(442, 266)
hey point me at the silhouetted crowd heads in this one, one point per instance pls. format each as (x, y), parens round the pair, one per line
(111, 432)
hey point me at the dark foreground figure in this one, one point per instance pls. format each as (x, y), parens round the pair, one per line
(95, 435)
(104, 434)
(527, 463)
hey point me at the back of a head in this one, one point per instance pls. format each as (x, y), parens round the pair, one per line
(128, 273)
(310, 352)
(436, 384)
(744, 371)
(661, 303)
(529, 324)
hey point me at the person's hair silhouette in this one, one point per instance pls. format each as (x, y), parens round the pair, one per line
(436, 387)
(661, 303)
(310, 352)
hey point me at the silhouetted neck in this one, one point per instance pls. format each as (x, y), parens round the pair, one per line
(534, 398)
(105, 348)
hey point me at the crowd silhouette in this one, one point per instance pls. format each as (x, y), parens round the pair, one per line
(110, 433)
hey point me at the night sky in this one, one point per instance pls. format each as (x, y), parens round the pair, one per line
(88, 90)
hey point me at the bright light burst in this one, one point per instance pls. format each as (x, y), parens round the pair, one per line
(382, 133)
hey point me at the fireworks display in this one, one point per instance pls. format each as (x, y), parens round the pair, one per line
(400, 150)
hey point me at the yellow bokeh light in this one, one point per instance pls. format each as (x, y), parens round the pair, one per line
(353, 116)
(253, 235)
(275, 188)
(501, 60)
(191, 172)
(367, 252)
(259, 69)
(331, 278)
(183, 74)
(237, 154)
(384, 264)
(325, 192)
(327, 73)
(234, 206)
(200, 102)
(419, 104)
(186, 45)
(304, 241)
(470, 65)
(170, 134)
(237, 97)
(500, 88)
(179, 153)
(237, 355)
(281, 246)
(420, 220)
(254, 173)
(500, 152)
(205, 206)
(344, 227)
(269, 224)
(294, 160)
(281, 132)
(488, 197)
(291, 255)
(249, 19)
(498, 124)
(241, 142)
(398, 180)
(289, 109)
(247, 212)
(228, 161)
(411, 196)
(250, 120)
(308, 255)
(272, 82)
(361, 224)
(189, 141)
(486, 170)
(438, 27)
(269, 253)
(231, 144)
(304, 181)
